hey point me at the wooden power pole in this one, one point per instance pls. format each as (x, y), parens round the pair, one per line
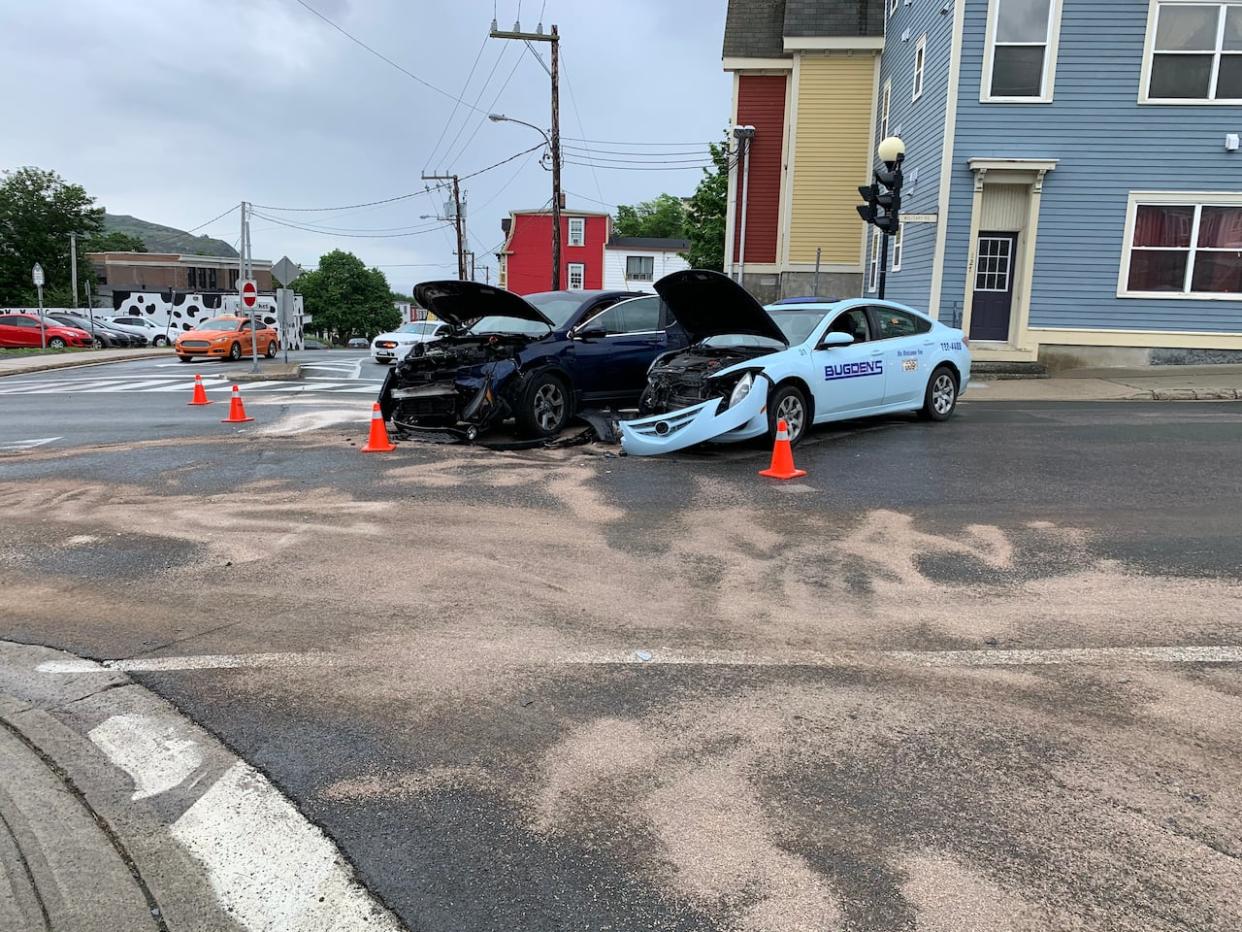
(459, 221)
(554, 72)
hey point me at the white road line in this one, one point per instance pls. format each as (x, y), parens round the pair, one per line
(154, 753)
(191, 662)
(20, 446)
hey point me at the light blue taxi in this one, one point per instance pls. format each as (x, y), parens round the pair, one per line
(805, 361)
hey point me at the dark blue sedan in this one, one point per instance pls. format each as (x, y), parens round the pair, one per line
(538, 359)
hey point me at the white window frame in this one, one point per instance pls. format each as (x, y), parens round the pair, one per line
(1052, 41)
(873, 267)
(886, 103)
(899, 241)
(1196, 199)
(577, 231)
(639, 278)
(920, 67)
(893, 6)
(1149, 53)
(580, 268)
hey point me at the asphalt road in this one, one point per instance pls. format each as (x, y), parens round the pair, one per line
(975, 675)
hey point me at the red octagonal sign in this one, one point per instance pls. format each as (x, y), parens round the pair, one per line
(249, 293)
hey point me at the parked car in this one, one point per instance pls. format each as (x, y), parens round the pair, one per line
(141, 326)
(310, 343)
(805, 363)
(387, 348)
(26, 330)
(225, 336)
(538, 359)
(106, 336)
(357, 343)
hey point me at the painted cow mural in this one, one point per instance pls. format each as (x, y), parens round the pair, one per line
(184, 311)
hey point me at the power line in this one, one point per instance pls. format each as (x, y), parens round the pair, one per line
(490, 109)
(632, 143)
(637, 168)
(477, 97)
(700, 160)
(383, 57)
(502, 162)
(457, 104)
(308, 229)
(637, 155)
(591, 199)
(319, 210)
(573, 100)
(213, 219)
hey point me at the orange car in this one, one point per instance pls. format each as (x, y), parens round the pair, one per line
(225, 336)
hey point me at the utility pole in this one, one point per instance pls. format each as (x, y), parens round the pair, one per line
(73, 267)
(459, 221)
(554, 72)
(744, 136)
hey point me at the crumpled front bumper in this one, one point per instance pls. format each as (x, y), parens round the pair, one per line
(677, 430)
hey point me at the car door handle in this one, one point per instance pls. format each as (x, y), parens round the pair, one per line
(877, 352)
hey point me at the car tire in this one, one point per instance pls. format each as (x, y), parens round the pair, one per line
(56, 343)
(547, 406)
(186, 358)
(789, 402)
(271, 350)
(940, 398)
(235, 352)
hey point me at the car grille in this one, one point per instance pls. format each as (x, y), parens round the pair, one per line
(386, 344)
(194, 344)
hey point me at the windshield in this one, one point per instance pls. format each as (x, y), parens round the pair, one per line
(557, 306)
(797, 325)
(423, 327)
(218, 323)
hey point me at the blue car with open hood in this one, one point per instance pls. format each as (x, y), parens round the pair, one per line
(805, 362)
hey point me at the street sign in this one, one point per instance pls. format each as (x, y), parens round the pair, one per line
(249, 290)
(286, 270)
(37, 275)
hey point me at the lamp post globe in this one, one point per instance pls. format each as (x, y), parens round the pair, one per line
(891, 149)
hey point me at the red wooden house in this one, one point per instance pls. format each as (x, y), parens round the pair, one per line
(526, 259)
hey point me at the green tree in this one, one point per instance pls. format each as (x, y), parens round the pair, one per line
(346, 299)
(705, 216)
(665, 216)
(114, 241)
(38, 211)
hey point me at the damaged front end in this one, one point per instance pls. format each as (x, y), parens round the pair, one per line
(457, 386)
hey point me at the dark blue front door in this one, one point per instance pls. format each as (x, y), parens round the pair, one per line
(995, 268)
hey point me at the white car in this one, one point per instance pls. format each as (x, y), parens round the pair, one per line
(388, 348)
(140, 326)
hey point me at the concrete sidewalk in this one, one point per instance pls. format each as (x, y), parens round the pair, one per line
(1154, 383)
(22, 365)
(117, 813)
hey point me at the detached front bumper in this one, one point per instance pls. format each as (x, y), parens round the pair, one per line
(677, 430)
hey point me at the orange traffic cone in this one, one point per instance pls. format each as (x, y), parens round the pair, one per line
(378, 442)
(782, 456)
(237, 413)
(200, 395)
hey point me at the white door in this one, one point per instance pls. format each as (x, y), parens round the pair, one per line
(848, 380)
(907, 348)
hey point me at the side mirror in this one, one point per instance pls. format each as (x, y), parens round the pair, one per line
(593, 333)
(836, 339)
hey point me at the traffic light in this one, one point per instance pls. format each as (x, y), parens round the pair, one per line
(883, 198)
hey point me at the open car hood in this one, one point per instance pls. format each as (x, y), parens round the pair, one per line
(463, 304)
(708, 304)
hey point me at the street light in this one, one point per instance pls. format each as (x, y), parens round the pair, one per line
(891, 150)
(556, 193)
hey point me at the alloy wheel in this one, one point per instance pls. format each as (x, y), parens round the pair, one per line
(943, 393)
(549, 406)
(790, 409)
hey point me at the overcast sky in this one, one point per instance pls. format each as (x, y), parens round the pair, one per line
(175, 115)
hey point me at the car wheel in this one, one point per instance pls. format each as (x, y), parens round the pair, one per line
(271, 350)
(97, 343)
(789, 403)
(940, 399)
(235, 352)
(56, 343)
(186, 358)
(546, 407)
(159, 341)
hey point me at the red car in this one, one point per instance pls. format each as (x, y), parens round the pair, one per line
(23, 330)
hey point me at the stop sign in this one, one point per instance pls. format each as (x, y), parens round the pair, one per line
(249, 294)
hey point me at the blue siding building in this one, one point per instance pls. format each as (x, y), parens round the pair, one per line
(1073, 180)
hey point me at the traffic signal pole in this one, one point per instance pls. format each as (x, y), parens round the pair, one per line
(883, 205)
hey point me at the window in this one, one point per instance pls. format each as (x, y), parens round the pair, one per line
(920, 64)
(994, 265)
(854, 322)
(1194, 53)
(898, 241)
(233, 274)
(211, 278)
(1021, 50)
(640, 268)
(577, 231)
(639, 315)
(1180, 246)
(892, 323)
(873, 272)
(884, 108)
(892, 6)
(577, 273)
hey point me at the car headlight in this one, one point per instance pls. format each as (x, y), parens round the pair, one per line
(741, 389)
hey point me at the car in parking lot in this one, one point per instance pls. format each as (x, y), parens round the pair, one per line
(141, 326)
(538, 359)
(27, 331)
(748, 366)
(106, 336)
(357, 343)
(387, 348)
(226, 336)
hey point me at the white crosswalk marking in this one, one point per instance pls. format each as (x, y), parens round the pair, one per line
(172, 384)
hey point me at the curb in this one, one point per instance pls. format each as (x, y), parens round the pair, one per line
(72, 363)
(172, 829)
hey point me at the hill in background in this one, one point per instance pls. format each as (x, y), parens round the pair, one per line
(159, 238)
